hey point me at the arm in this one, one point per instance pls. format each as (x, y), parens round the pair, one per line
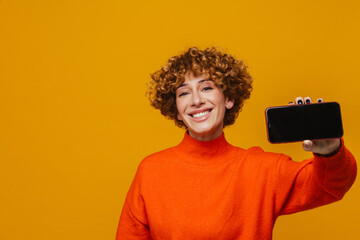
(314, 182)
(318, 181)
(133, 224)
(130, 227)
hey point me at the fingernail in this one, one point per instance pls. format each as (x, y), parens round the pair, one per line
(291, 103)
(307, 101)
(300, 102)
(307, 144)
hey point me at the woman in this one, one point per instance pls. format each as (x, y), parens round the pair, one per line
(205, 188)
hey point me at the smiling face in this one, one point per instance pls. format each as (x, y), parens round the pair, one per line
(201, 106)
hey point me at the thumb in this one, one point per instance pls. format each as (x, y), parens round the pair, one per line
(314, 146)
(308, 145)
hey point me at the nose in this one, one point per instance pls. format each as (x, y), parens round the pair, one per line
(197, 99)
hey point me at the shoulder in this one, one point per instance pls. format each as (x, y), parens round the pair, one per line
(155, 167)
(258, 157)
(157, 158)
(258, 152)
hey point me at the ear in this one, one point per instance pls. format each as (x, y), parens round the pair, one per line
(229, 103)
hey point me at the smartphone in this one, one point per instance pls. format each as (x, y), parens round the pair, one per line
(293, 123)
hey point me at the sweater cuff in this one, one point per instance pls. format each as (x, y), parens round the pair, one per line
(333, 161)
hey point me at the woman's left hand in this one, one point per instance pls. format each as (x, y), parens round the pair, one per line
(326, 147)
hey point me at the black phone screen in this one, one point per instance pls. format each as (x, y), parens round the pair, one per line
(293, 123)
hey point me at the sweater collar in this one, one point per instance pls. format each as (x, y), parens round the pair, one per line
(203, 152)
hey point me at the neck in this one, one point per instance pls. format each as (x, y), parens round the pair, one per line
(206, 136)
(199, 152)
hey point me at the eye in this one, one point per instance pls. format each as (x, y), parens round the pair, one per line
(207, 89)
(183, 94)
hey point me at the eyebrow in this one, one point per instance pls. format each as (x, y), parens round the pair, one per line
(200, 81)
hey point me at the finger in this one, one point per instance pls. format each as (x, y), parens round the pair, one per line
(308, 145)
(319, 100)
(291, 103)
(307, 100)
(299, 100)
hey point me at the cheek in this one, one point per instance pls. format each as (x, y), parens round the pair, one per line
(219, 99)
(179, 108)
(178, 105)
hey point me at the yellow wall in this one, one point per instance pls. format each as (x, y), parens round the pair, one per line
(75, 121)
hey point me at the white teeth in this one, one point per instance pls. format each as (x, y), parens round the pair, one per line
(196, 115)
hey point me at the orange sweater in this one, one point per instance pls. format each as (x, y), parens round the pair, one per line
(213, 190)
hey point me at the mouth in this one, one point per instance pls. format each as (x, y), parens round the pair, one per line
(200, 114)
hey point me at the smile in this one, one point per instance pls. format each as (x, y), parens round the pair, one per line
(201, 115)
(197, 115)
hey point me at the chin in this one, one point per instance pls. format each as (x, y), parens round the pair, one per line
(204, 131)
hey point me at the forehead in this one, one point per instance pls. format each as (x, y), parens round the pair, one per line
(189, 75)
(190, 79)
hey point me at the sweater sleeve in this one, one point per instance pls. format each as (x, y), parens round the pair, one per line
(133, 224)
(314, 182)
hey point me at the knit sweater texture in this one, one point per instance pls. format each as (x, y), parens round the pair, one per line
(215, 191)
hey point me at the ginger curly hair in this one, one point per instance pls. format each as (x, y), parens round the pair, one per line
(228, 74)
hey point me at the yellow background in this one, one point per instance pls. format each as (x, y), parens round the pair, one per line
(75, 121)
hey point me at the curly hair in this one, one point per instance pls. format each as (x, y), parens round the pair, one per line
(228, 74)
